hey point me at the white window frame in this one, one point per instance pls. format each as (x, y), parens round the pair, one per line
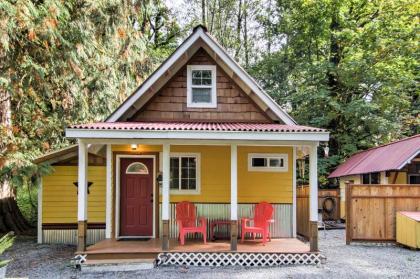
(138, 173)
(197, 190)
(268, 156)
(213, 103)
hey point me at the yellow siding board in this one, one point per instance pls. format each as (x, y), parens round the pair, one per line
(401, 178)
(59, 195)
(408, 231)
(275, 187)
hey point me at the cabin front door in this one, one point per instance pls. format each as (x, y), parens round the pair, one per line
(136, 197)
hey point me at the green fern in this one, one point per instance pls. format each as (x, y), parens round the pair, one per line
(5, 243)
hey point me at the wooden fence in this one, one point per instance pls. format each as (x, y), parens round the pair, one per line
(371, 210)
(302, 208)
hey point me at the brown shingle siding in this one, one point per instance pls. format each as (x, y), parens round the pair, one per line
(170, 103)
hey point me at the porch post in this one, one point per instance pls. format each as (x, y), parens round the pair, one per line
(82, 197)
(165, 196)
(108, 217)
(294, 216)
(313, 198)
(234, 197)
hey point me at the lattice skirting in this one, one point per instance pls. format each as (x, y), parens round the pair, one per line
(241, 259)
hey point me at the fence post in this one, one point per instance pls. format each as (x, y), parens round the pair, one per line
(348, 213)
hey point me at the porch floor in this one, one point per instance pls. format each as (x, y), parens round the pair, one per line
(154, 246)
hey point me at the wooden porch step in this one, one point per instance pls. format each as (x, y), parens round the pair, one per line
(122, 256)
(118, 261)
(116, 265)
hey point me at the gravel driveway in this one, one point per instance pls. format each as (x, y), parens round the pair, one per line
(356, 261)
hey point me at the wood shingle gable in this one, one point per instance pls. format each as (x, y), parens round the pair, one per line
(198, 40)
(170, 102)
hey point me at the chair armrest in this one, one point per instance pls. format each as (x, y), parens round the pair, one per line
(244, 222)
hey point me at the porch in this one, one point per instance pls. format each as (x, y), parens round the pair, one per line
(280, 251)
(226, 187)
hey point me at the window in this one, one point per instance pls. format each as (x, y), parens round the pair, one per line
(371, 178)
(137, 168)
(414, 179)
(267, 162)
(201, 86)
(184, 173)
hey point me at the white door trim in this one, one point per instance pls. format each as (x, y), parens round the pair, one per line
(117, 195)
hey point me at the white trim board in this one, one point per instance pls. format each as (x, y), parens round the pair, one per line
(117, 195)
(200, 33)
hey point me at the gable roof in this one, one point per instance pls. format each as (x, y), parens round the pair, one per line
(391, 156)
(199, 38)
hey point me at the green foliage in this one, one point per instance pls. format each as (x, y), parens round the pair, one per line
(348, 66)
(65, 62)
(6, 242)
(26, 198)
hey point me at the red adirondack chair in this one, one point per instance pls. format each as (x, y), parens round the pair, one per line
(263, 215)
(186, 220)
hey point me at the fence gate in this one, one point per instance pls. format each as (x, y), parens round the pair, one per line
(371, 210)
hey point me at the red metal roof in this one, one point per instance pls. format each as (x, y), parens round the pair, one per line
(391, 156)
(196, 126)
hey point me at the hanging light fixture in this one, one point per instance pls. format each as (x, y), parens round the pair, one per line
(326, 150)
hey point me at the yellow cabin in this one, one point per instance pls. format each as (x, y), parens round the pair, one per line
(199, 129)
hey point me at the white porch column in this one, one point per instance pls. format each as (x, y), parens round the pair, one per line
(313, 197)
(82, 198)
(234, 196)
(294, 218)
(165, 195)
(40, 233)
(108, 226)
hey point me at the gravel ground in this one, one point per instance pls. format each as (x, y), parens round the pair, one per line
(355, 261)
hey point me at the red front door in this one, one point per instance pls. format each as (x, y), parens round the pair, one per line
(136, 197)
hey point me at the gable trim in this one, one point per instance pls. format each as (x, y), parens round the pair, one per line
(218, 49)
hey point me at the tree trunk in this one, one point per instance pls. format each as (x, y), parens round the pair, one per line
(11, 219)
(246, 48)
(203, 12)
(238, 30)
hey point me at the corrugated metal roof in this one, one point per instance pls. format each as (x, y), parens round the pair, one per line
(391, 156)
(196, 126)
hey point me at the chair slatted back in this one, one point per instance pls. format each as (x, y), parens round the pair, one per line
(263, 212)
(185, 212)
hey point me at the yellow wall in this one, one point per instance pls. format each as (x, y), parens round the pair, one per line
(401, 178)
(273, 187)
(356, 180)
(59, 195)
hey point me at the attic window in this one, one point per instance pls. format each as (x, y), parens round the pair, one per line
(201, 86)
